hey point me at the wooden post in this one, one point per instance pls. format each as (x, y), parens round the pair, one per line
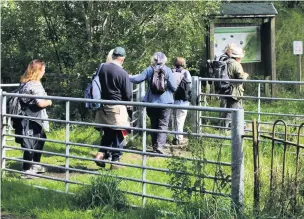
(273, 56)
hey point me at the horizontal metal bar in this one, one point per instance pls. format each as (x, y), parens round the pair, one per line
(126, 103)
(122, 164)
(274, 114)
(253, 81)
(9, 85)
(126, 127)
(252, 97)
(42, 176)
(282, 141)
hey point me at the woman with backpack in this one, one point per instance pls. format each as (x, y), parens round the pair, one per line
(31, 84)
(182, 96)
(161, 86)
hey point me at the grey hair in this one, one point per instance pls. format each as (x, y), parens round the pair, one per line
(158, 58)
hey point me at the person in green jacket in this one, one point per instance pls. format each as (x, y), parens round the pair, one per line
(235, 71)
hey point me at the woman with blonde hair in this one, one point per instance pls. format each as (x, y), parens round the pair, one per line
(33, 107)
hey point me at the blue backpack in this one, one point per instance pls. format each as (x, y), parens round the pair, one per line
(93, 91)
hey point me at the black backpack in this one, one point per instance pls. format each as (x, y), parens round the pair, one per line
(14, 105)
(183, 91)
(158, 81)
(217, 68)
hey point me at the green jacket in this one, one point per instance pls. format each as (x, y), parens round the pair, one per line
(235, 71)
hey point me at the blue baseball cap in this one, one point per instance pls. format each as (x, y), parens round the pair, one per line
(119, 51)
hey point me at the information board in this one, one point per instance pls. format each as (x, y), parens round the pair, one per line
(248, 38)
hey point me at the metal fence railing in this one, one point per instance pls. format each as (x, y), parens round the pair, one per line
(257, 101)
(149, 169)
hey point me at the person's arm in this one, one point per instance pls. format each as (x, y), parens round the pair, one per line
(171, 83)
(126, 89)
(239, 72)
(44, 103)
(39, 91)
(136, 79)
(188, 77)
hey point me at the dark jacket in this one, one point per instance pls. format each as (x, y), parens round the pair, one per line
(115, 83)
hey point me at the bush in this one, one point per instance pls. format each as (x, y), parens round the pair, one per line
(102, 192)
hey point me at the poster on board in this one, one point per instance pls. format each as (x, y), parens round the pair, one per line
(248, 38)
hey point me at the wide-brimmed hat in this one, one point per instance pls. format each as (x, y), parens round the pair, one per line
(237, 52)
(229, 47)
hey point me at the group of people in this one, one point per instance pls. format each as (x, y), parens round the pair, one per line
(116, 85)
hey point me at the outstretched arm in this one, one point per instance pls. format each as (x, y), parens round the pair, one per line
(136, 79)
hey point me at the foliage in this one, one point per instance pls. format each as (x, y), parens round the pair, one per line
(288, 25)
(102, 192)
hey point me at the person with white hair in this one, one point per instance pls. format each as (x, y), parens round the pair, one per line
(235, 71)
(159, 117)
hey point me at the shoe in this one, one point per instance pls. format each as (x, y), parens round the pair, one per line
(175, 141)
(38, 168)
(115, 165)
(159, 151)
(99, 156)
(26, 174)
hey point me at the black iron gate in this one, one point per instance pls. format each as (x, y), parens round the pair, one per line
(284, 192)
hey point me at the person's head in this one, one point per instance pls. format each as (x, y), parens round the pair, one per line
(237, 53)
(180, 62)
(34, 72)
(119, 55)
(228, 49)
(109, 56)
(158, 58)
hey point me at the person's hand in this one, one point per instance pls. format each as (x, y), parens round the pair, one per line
(50, 102)
(246, 75)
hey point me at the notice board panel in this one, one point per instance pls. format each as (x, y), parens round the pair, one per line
(248, 38)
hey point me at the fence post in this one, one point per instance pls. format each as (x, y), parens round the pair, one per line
(67, 146)
(237, 159)
(144, 156)
(1, 133)
(142, 93)
(195, 115)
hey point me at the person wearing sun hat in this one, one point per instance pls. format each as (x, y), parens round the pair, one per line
(115, 85)
(235, 71)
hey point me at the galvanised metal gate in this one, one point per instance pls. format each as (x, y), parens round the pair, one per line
(148, 178)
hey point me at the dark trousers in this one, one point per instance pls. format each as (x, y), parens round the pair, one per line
(33, 130)
(112, 138)
(230, 103)
(159, 118)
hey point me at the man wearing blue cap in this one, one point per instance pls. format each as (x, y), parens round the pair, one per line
(115, 85)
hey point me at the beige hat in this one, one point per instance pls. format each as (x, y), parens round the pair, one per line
(237, 52)
(229, 47)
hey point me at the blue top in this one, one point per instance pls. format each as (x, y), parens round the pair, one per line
(146, 75)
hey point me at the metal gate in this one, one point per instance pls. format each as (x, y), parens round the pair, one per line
(285, 175)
